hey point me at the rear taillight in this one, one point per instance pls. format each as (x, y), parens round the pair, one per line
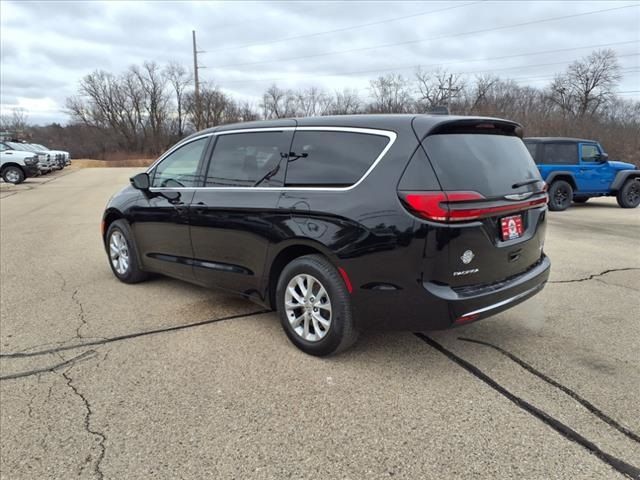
(461, 206)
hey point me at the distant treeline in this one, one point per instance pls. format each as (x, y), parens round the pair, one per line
(147, 108)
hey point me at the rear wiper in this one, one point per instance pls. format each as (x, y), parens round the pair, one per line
(267, 175)
(522, 184)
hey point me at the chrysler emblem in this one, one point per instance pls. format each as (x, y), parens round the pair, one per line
(467, 257)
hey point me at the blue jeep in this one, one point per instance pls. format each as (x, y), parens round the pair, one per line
(576, 170)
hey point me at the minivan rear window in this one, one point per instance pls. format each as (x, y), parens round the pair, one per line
(487, 164)
(335, 159)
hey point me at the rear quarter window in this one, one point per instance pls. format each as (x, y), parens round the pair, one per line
(560, 153)
(334, 159)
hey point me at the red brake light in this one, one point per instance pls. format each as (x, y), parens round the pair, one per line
(441, 206)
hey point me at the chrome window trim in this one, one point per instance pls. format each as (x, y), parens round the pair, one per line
(392, 136)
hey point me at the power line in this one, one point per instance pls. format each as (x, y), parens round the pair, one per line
(433, 65)
(344, 29)
(521, 66)
(451, 35)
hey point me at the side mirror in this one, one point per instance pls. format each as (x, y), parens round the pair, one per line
(603, 157)
(140, 181)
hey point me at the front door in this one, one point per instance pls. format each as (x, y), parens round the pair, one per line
(594, 175)
(231, 218)
(160, 222)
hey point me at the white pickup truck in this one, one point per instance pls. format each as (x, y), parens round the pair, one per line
(16, 165)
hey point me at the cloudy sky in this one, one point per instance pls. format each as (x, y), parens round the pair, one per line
(48, 46)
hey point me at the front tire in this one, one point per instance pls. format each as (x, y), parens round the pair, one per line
(12, 174)
(560, 196)
(315, 307)
(123, 254)
(629, 194)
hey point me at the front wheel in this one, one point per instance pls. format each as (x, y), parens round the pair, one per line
(123, 257)
(560, 196)
(629, 194)
(13, 175)
(315, 307)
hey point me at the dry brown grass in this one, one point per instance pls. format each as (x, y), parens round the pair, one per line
(91, 163)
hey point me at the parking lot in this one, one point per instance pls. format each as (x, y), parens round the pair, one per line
(168, 380)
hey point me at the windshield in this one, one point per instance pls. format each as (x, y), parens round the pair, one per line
(21, 146)
(488, 164)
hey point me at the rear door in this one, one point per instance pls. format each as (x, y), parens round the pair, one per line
(230, 216)
(493, 204)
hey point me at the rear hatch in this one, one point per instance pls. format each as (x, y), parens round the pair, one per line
(489, 210)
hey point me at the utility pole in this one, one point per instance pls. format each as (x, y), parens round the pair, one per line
(450, 89)
(197, 82)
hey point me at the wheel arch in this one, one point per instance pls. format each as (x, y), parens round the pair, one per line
(110, 216)
(288, 252)
(11, 164)
(621, 177)
(566, 176)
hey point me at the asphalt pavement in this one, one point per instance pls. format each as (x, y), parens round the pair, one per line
(165, 380)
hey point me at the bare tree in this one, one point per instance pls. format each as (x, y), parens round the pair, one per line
(278, 103)
(17, 122)
(345, 103)
(390, 94)
(437, 88)
(179, 79)
(587, 85)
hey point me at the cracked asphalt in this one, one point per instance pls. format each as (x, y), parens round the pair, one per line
(164, 380)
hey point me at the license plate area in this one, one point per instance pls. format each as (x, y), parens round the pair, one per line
(511, 227)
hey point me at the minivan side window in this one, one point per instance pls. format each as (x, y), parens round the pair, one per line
(243, 159)
(333, 159)
(180, 167)
(590, 153)
(561, 153)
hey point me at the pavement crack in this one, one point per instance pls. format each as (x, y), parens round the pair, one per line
(51, 368)
(595, 275)
(128, 336)
(582, 401)
(83, 321)
(87, 426)
(563, 429)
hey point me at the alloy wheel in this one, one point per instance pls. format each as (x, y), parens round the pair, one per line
(119, 252)
(12, 176)
(633, 194)
(308, 307)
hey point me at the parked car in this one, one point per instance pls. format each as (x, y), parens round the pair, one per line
(45, 162)
(62, 157)
(577, 169)
(342, 224)
(17, 165)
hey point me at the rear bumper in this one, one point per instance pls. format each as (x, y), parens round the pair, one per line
(432, 306)
(469, 305)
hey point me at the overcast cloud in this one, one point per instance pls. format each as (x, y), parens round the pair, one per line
(48, 46)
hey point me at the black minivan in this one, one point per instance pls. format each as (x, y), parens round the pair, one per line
(345, 223)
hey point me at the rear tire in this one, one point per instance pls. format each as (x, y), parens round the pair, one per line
(315, 307)
(629, 195)
(560, 196)
(580, 199)
(13, 174)
(123, 254)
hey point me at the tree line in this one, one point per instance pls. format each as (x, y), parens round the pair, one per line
(148, 107)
